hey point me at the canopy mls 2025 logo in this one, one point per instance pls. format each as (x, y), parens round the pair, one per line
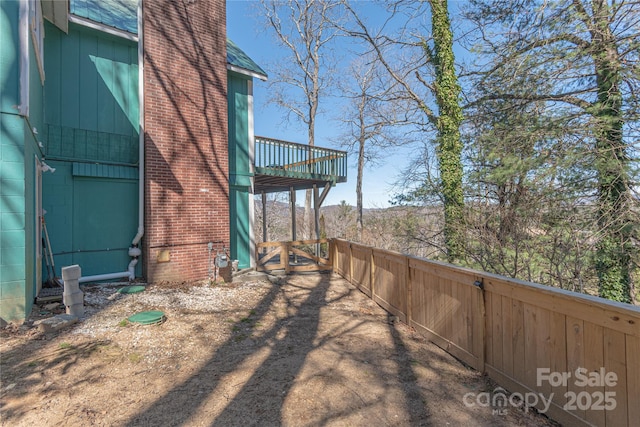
(591, 397)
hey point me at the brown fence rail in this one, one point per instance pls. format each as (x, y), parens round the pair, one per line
(578, 355)
(295, 256)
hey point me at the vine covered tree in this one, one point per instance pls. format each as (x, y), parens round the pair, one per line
(421, 62)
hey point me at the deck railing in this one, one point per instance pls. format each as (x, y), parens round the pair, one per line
(574, 356)
(283, 158)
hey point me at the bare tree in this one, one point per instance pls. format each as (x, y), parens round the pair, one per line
(371, 119)
(278, 223)
(305, 28)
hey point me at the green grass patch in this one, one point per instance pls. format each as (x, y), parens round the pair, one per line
(134, 358)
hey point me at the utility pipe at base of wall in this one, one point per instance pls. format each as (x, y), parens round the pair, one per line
(100, 277)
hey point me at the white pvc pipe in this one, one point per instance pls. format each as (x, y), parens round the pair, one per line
(23, 34)
(140, 232)
(132, 268)
(101, 277)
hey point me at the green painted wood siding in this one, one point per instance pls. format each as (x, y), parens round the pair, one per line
(91, 112)
(12, 218)
(91, 94)
(18, 152)
(17, 217)
(92, 213)
(239, 162)
(239, 169)
(9, 56)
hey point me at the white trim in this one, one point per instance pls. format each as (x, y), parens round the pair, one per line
(37, 35)
(246, 72)
(104, 28)
(38, 225)
(23, 34)
(56, 12)
(252, 151)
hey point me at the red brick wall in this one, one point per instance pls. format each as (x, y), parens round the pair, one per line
(185, 108)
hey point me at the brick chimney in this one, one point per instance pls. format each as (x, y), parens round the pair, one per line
(186, 149)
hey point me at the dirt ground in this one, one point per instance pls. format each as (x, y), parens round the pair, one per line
(305, 350)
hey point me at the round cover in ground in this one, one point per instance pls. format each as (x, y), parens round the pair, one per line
(147, 317)
(131, 289)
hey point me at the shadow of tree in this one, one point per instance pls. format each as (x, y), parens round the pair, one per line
(27, 372)
(288, 335)
(289, 359)
(311, 351)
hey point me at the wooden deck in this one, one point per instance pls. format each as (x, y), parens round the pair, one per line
(282, 165)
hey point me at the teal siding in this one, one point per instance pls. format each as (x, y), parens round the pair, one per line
(18, 152)
(17, 217)
(31, 216)
(91, 96)
(9, 59)
(57, 201)
(104, 222)
(239, 169)
(32, 134)
(13, 260)
(97, 170)
(239, 161)
(239, 227)
(92, 213)
(91, 116)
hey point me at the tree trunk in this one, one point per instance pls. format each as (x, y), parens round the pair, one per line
(450, 118)
(308, 216)
(614, 246)
(359, 187)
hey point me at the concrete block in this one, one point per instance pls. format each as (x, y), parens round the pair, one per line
(75, 310)
(73, 298)
(71, 272)
(53, 324)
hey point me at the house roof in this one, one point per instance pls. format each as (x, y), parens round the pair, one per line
(123, 15)
(240, 62)
(119, 14)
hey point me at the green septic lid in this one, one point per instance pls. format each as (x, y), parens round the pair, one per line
(147, 317)
(131, 289)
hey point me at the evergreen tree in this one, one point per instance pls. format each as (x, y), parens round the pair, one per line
(578, 60)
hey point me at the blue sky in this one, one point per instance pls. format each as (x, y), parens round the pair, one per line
(249, 35)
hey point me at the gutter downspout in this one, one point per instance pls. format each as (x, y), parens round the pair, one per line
(23, 42)
(134, 250)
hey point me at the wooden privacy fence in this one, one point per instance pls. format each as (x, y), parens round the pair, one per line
(572, 356)
(295, 256)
